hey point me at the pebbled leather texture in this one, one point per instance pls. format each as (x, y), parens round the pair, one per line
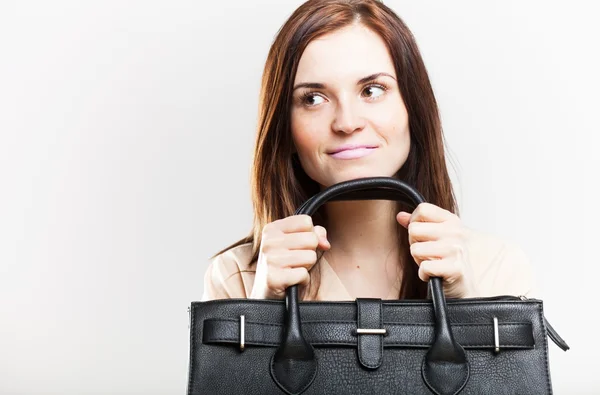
(217, 366)
(370, 346)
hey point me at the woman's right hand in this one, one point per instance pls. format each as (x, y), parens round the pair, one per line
(287, 253)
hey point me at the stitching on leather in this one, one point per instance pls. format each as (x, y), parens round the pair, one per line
(462, 344)
(424, 374)
(359, 339)
(547, 367)
(380, 339)
(281, 386)
(274, 376)
(328, 322)
(247, 322)
(386, 302)
(384, 323)
(459, 324)
(192, 345)
(500, 324)
(434, 390)
(378, 362)
(301, 390)
(348, 343)
(266, 343)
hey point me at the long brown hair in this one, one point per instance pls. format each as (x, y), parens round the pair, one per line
(279, 185)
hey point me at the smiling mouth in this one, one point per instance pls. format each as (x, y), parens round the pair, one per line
(353, 153)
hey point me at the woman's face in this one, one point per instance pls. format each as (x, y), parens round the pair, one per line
(348, 118)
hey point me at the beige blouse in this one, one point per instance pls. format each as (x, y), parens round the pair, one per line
(500, 267)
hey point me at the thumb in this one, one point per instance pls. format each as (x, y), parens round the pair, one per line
(322, 233)
(403, 218)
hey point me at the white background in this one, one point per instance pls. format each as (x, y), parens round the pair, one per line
(126, 132)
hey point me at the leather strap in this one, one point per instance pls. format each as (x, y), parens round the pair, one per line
(370, 346)
(559, 341)
(445, 367)
(513, 335)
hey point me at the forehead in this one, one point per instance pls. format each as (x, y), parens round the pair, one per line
(349, 53)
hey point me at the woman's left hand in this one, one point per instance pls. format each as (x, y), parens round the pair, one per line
(437, 240)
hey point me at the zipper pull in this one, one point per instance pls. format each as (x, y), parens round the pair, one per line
(559, 341)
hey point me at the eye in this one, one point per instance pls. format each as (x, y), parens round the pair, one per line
(374, 91)
(311, 99)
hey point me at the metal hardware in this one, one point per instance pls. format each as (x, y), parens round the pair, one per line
(496, 336)
(242, 332)
(189, 317)
(362, 331)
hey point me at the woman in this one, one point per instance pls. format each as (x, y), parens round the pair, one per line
(345, 95)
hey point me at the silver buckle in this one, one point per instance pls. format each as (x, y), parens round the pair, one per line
(362, 331)
(496, 336)
(242, 332)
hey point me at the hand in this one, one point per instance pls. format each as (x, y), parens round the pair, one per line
(437, 241)
(287, 253)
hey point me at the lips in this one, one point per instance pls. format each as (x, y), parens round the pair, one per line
(352, 151)
(349, 147)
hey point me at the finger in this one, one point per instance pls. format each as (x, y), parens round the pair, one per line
(295, 223)
(403, 218)
(301, 241)
(322, 234)
(301, 276)
(427, 212)
(296, 258)
(279, 280)
(435, 250)
(439, 268)
(428, 231)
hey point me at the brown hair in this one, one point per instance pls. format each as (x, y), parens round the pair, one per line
(279, 185)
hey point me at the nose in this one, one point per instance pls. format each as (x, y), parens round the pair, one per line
(347, 118)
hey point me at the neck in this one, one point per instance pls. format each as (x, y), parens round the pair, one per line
(363, 233)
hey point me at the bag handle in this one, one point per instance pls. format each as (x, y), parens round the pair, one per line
(445, 367)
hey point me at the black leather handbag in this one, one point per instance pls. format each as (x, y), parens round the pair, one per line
(494, 345)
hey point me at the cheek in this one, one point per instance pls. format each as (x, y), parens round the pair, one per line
(392, 122)
(305, 135)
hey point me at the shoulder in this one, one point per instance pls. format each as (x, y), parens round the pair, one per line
(490, 246)
(229, 274)
(500, 266)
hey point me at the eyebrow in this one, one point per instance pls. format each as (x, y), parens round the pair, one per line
(318, 85)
